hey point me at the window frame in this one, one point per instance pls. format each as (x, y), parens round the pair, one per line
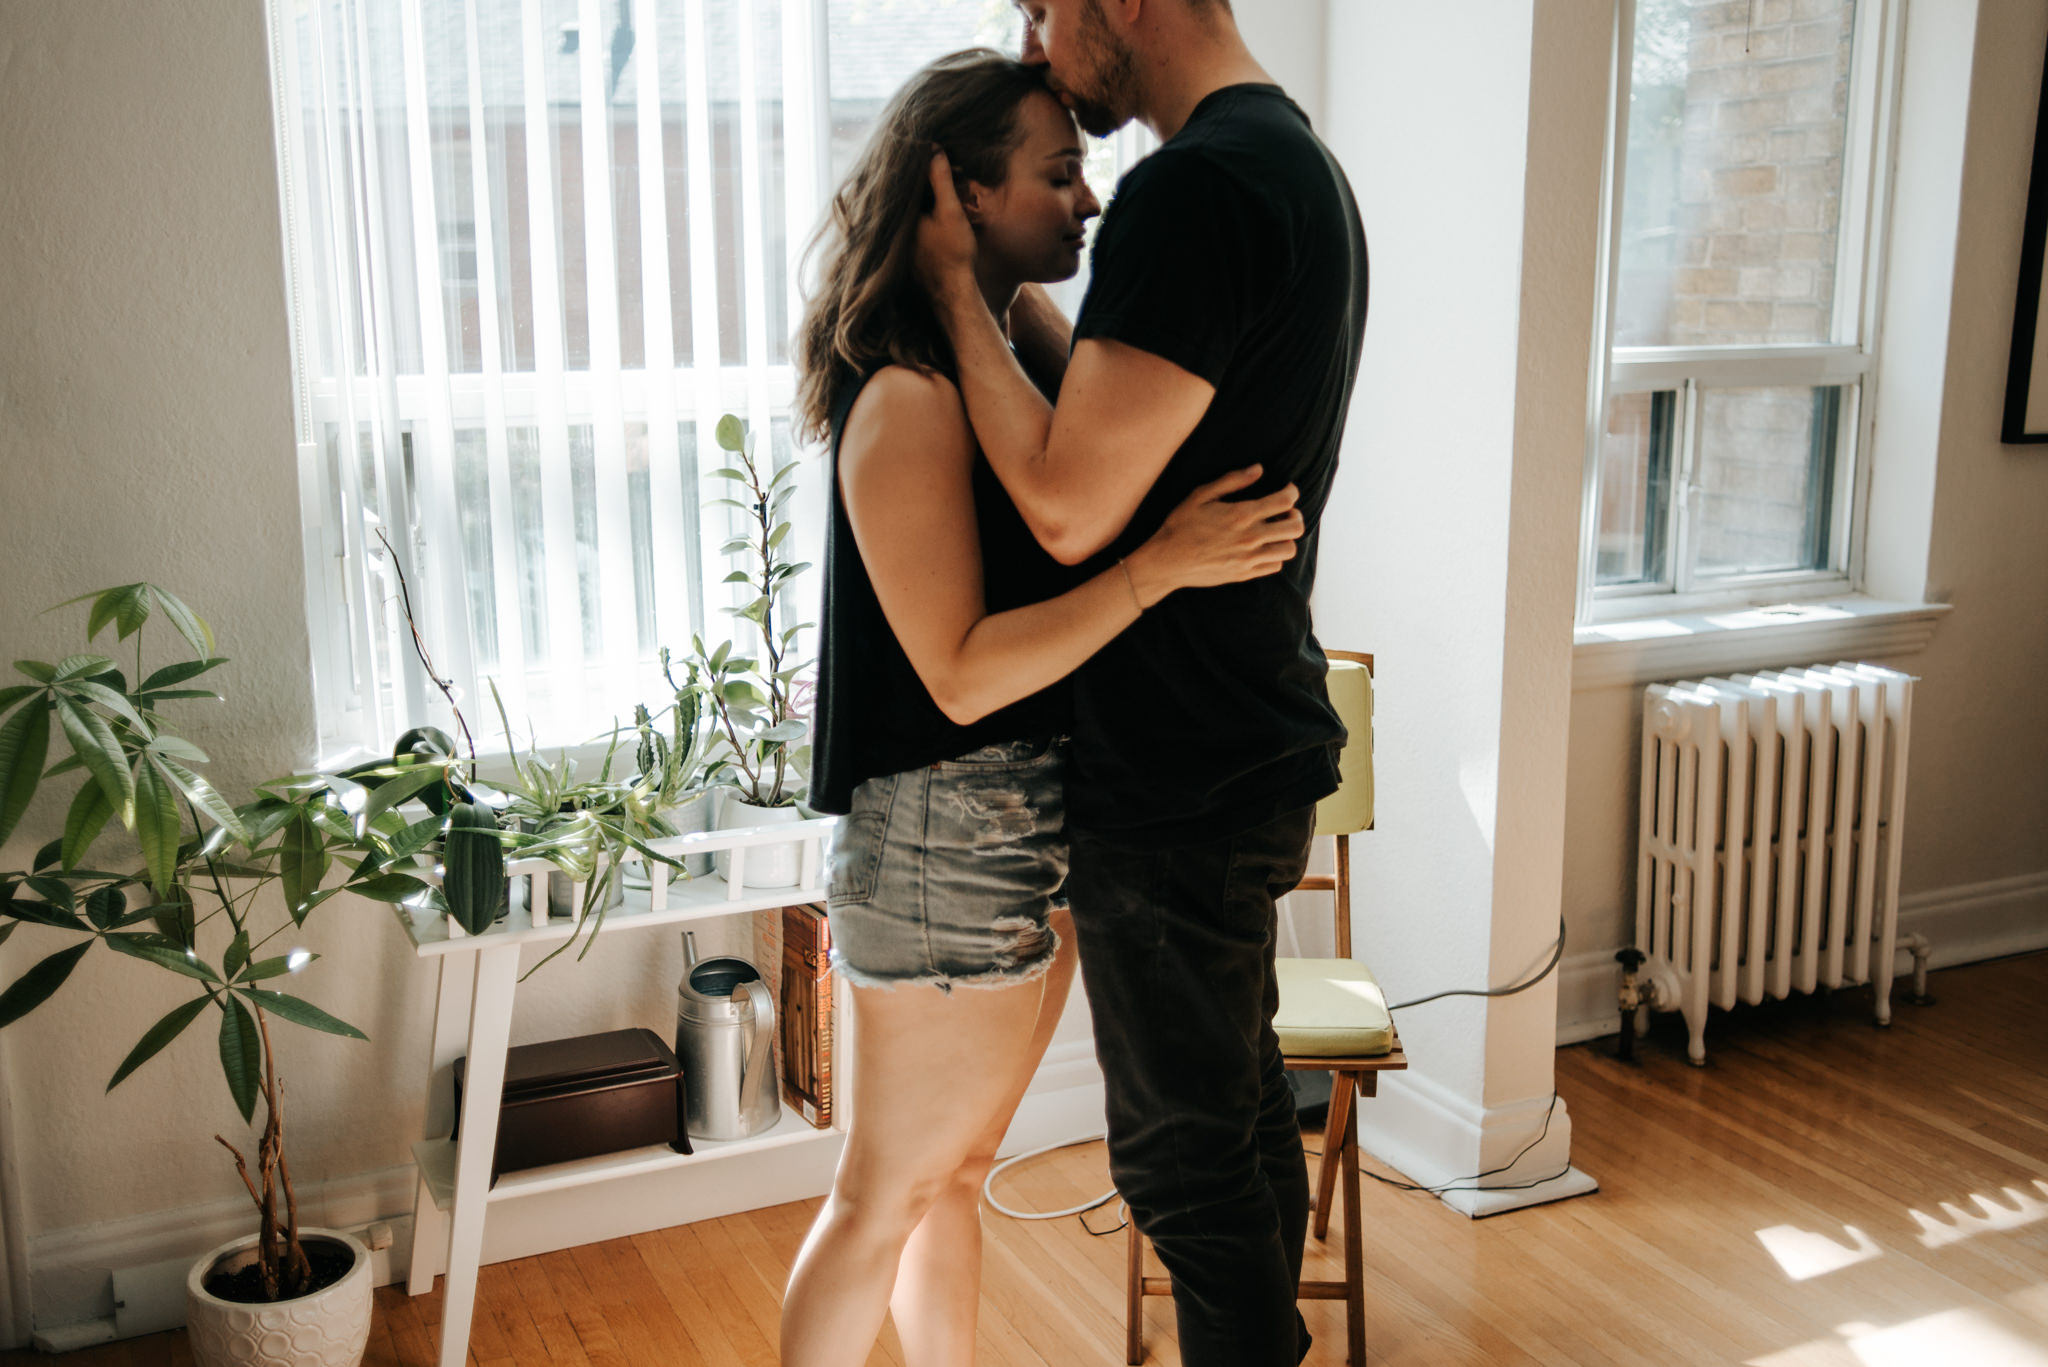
(1848, 358)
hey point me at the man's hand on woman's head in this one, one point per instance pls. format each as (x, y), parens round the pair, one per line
(945, 240)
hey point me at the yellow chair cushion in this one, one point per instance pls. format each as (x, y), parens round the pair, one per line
(1331, 1008)
(1350, 807)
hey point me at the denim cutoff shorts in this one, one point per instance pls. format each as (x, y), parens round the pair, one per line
(948, 874)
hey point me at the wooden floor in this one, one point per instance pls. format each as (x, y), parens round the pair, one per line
(1824, 1194)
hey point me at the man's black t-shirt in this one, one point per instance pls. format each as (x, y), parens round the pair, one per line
(1236, 252)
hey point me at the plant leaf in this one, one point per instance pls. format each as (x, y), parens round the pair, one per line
(105, 907)
(731, 433)
(775, 537)
(161, 952)
(177, 918)
(80, 667)
(393, 791)
(301, 1013)
(302, 863)
(273, 968)
(241, 1054)
(14, 693)
(34, 987)
(180, 672)
(85, 690)
(388, 887)
(736, 545)
(416, 837)
(158, 825)
(203, 795)
(189, 624)
(37, 670)
(24, 743)
(162, 1033)
(42, 913)
(180, 749)
(92, 740)
(238, 954)
(131, 608)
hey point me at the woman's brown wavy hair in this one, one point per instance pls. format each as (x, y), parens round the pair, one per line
(869, 309)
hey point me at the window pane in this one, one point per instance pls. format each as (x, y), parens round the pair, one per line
(1732, 204)
(1635, 481)
(1766, 478)
(874, 45)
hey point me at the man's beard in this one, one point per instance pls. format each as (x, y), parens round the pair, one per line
(1110, 98)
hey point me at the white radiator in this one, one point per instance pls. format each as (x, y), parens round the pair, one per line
(1773, 806)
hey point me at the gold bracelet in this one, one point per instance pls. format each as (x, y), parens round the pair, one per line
(1132, 585)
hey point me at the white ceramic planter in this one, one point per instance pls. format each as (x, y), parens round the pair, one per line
(767, 866)
(329, 1328)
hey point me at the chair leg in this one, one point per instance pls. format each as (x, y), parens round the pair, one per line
(1354, 1244)
(1134, 1298)
(1333, 1130)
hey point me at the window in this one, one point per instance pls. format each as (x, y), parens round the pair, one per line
(535, 248)
(1733, 412)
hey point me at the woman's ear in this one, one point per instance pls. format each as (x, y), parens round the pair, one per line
(974, 197)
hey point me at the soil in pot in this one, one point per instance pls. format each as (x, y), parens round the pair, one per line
(244, 1285)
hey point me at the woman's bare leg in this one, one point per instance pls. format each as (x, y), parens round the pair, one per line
(932, 1071)
(938, 1283)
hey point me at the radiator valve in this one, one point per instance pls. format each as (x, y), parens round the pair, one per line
(1631, 1001)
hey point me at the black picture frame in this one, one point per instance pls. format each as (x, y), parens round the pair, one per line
(2026, 381)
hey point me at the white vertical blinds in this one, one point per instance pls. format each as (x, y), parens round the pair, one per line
(535, 248)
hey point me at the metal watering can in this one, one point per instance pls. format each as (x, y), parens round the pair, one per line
(725, 1033)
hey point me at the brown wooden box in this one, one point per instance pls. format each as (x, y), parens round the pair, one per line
(577, 1098)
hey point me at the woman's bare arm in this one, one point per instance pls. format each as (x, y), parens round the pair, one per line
(906, 471)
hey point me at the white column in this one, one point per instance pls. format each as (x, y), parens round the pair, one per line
(1473, 137)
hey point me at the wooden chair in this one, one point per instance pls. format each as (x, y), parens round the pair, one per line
(1320, 1031)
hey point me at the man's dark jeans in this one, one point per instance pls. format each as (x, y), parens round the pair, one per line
(1177, 955)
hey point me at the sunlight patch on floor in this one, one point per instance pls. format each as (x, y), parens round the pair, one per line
(1952, 1338)
(1802, 1253)
(2017, 1209)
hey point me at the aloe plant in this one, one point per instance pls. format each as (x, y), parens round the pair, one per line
(218, 882)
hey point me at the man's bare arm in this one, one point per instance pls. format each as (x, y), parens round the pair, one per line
(1042, 337)
(1077, 473)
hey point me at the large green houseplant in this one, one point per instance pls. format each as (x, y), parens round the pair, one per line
(213, 884)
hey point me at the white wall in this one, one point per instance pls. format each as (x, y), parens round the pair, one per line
(1471, 137)
(1289, 38)
(1954, 514)
(146, 433)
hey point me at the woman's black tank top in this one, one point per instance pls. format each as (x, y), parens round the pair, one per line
(874, 716)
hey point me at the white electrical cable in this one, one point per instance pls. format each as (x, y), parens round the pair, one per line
(988, 1185)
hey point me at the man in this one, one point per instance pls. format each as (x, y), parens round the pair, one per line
(1222, 325)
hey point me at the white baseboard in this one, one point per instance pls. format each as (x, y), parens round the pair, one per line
(1965, 924)
(1434, 1137)
(1065, 1100)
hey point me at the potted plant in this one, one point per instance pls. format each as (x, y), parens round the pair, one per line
(219, 882)
(673, 765)
(763, 760)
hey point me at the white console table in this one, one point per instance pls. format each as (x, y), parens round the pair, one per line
(473, 1016)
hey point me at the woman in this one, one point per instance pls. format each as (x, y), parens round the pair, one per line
(947, 632)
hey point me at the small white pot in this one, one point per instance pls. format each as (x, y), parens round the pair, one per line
(767, 866)
(329, 1328)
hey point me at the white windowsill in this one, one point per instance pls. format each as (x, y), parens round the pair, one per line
(1684, 645)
